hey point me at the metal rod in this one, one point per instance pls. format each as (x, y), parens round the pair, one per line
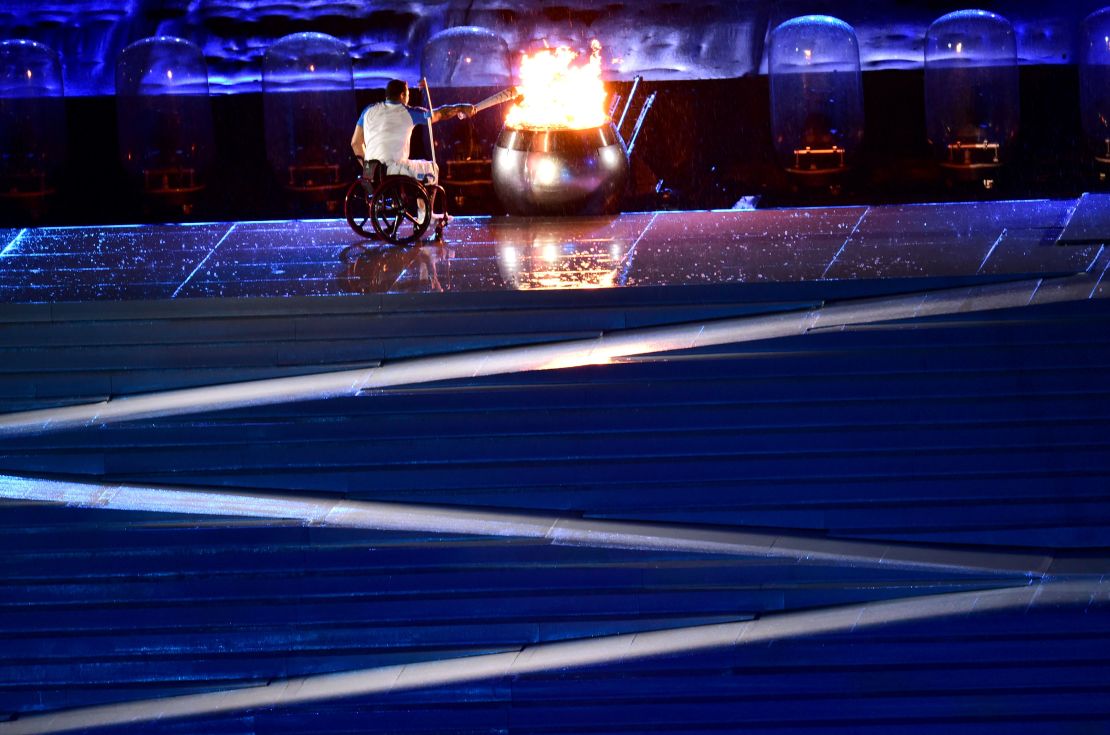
(628, 102)
(431, 135)
(613, 103)
(640, 121)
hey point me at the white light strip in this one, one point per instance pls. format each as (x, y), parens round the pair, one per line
(994, 246)
(597, 351)
(852, 234)
(10, 247)
(204, 260)
(545, 657)
(556, 530)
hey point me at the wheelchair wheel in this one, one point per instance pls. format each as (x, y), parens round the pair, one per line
(400, 210)
(356, 208)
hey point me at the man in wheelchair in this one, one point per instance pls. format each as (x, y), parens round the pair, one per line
(384, 130)
(398, 196)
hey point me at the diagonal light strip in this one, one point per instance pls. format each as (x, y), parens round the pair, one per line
(626, 262)
(1096, 261)
(993, 247)
(553, 529)
(863, 215)
(10, 247)
(1103, 269)
(203, 261)
(1069, 216)
(605, 349)
(545, 657)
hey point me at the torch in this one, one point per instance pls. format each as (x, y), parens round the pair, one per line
(505, 95)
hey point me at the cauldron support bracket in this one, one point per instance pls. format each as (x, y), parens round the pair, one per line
(640, 121)
(628, 102)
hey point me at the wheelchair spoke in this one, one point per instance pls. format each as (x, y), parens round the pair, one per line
(396, 210)
(357, 209)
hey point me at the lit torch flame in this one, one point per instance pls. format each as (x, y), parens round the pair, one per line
(557, 94)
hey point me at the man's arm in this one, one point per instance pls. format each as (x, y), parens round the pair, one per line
(449, 111)
(358, 142)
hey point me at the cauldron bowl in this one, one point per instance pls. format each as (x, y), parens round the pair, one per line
(557, 171)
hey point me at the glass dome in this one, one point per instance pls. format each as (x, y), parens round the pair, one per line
(309, 103)
(457, 63)
(164, 118)
(1094, 85)
(971, 89)
(816, 94)
(32, 119)
(467, 56)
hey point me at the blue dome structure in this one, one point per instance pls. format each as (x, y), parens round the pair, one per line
(166, 140)
(32, 123)
(972, 102)
(309, 104)
(466, 56)
(1094, 86)
(816, 95)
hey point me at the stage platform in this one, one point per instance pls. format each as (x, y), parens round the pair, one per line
(667, 470)
(979, 241)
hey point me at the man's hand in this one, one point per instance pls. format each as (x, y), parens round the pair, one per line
(449, 111)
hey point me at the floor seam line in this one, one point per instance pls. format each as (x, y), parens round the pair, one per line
(848, 239)
(203, 261)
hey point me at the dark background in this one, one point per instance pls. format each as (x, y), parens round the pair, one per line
(704, 144)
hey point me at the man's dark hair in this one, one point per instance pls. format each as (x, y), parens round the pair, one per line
(394, 89)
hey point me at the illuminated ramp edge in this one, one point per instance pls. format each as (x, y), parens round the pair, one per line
(852, 620)
(561, 531)
(607, 348)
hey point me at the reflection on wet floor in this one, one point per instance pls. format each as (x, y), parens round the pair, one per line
(379, 268)
(323, 257)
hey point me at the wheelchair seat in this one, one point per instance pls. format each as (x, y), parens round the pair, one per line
(373, 172)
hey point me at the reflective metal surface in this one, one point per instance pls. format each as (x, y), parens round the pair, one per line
(560, 171)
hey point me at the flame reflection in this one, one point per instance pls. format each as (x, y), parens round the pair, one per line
(529, 256)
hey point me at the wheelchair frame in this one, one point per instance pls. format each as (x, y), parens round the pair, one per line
(398, 207)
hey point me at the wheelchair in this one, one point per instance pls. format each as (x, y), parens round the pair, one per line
(397, 207)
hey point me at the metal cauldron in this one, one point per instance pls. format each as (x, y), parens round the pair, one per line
(557, 171)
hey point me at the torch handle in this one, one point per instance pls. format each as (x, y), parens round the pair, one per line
(497, 99)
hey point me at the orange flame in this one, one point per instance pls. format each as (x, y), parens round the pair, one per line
(557, 94)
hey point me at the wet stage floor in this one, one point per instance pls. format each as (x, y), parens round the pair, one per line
(323, 257)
